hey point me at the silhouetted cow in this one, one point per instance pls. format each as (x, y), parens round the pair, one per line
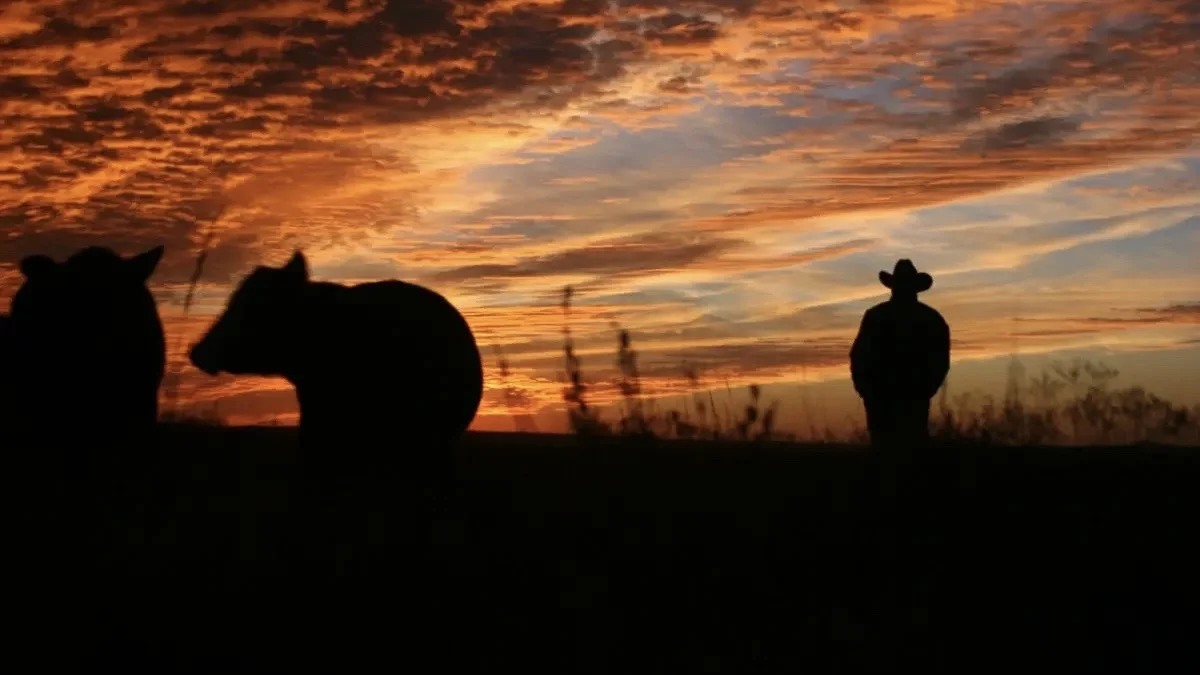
(900, 358)
(85, 348)
(373, 365)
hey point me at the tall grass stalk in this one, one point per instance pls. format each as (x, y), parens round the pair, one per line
(172, 389)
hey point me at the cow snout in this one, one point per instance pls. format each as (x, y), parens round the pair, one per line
(202, 356)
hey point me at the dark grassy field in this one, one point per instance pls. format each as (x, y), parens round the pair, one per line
(210, 554)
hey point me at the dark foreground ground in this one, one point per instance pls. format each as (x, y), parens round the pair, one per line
(208, 554)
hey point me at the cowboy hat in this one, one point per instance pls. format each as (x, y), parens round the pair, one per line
(905, 277)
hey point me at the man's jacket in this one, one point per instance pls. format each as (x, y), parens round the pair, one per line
(902, 351)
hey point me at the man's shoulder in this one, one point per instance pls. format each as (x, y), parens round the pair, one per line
(874, 317)
(931, 314)
(878, 309)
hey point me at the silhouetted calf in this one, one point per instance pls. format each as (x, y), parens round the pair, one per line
(374, 365)
(85, 349)
(899, 359)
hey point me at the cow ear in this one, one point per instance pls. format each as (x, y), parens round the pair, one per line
(38, 265)
(296, 269)
(142, 265)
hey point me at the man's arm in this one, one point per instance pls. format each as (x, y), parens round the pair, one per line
(860, 358)
(940, 362)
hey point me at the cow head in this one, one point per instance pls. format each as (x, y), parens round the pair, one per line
(254, 333)
(95, 293)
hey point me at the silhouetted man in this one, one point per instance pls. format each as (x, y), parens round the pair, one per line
(900, 359)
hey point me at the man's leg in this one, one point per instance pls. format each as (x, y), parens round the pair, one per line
(921, 420)
(911, 422)
(881, 423)
(872, 414)
(911, 445)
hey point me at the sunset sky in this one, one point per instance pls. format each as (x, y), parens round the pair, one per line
(725, 178)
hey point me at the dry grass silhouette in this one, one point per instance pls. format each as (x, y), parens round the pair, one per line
(171, 410)
(639, 417)
(1073, 402)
